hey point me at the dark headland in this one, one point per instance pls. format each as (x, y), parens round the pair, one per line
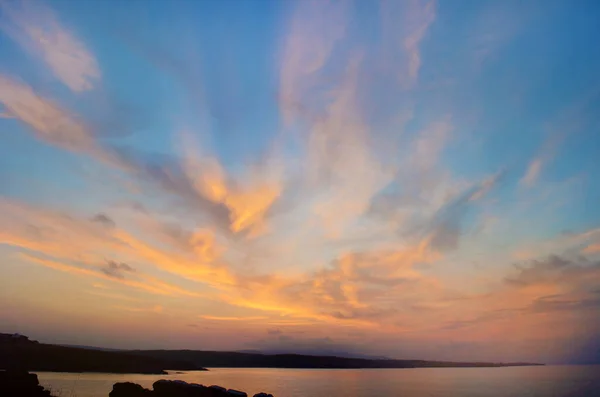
(17, 352)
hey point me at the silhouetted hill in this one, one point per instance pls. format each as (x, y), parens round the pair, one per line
(18, 352)
(217, 359)
(23, 354)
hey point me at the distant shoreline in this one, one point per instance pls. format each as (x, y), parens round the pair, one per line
(24, 354)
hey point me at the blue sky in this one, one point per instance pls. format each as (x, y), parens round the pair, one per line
(401, 177)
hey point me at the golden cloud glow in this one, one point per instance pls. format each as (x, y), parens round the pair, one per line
(347, 221)
(161, 288)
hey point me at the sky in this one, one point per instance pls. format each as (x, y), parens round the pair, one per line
(408, 179)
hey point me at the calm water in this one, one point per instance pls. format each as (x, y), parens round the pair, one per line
(549, 381)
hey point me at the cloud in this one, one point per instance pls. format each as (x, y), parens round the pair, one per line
(569, 120)
(357, 288)
(423, 16)
(311, 346)
(117, 270)
(553, 303)
(50, 122)
(446, 224)
(57, 126)
(315, 29)
(404, 25)
(556, 269)
(149, 287)
(225, 318)
(114, 296)
(495, 26)
(153, 309)
(36, 27)
(73, 238)
(533, 171)
(195, 266)
(247, 197)
(349, 222)
(103, 219)
(592, 249)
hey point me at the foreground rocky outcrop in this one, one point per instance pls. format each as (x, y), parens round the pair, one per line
(176, 388)
(21, 384)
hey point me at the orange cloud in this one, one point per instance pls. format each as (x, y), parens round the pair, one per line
(198, 269)
(160, 289)
(352, 291)
(247, 197)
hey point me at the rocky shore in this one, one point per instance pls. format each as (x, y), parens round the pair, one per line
(176, 388)
(21, 384)
(16, 383)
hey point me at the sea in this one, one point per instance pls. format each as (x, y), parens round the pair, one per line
(539, 381)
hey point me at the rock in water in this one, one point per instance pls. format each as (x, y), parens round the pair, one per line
(128, 389)
(176, 388)
(14, 383)
(236, 393)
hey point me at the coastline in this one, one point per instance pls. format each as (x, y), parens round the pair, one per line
(27, 355)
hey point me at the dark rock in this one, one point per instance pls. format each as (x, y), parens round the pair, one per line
(128, 389)
(263, 395)
(236, 393)
(178, 388)
(168, 388)
(175, 388)
(14, 383)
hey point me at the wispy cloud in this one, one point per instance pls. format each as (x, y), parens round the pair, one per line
(422, 15)
(73, 239)
(354, 212)
(104, 220)
(532, 173)
(133, 309)
(247, 197)
(83, 271)
(568, 122)
(592, 248)
(404, 26)
(35, 26)
(315, 28)
(50, 122)
(118, 270)
(224, 318)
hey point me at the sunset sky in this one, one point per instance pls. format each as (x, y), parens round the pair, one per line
(410, 179)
